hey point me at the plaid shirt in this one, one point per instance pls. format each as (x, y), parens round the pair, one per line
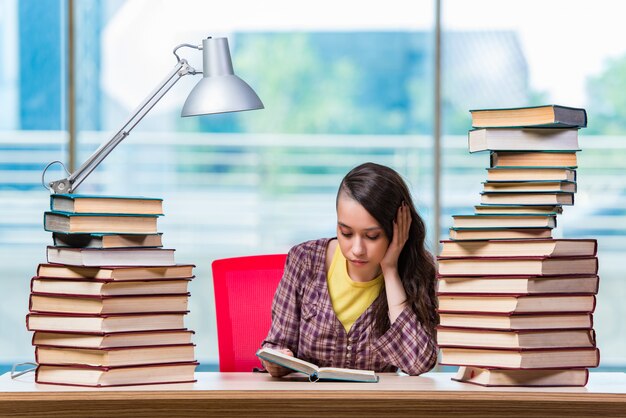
(303, 320)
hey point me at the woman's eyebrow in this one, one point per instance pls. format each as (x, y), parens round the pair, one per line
(371, 228)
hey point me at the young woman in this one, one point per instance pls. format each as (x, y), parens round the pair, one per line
(365, 300)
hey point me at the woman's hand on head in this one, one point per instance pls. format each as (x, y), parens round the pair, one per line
(401, 226)
(274, 369)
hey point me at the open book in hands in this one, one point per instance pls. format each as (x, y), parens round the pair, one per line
(316, 373)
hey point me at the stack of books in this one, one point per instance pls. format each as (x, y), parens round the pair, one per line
(108, 307)
(516, 304)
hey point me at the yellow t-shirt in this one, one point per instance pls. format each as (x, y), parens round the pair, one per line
(349, 298)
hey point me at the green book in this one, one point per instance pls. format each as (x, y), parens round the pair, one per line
(518, 209)
(97, 223)
(527, 198)
(76, 203)
(504, 221)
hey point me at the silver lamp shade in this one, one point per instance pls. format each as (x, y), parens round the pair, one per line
(220, 90)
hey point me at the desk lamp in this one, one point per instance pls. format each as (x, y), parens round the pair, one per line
(219, 91)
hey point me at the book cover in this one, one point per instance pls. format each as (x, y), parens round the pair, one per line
(100, 287)
(504, 221)
(498, 233)
(115, 356)
(530, 174)
(517, 265)
(104, 323)
(90, 376)
(94, 257)
(550, 247)
(527, 198)
(518, 209)
(100, 340)
(489, 377)
(93, 223)
(79, 203)
(535, 159)
(498, 303)
(521, 358)
(96, 305)
(452, 337)
(506, 139)
(515, 285)
(116, 273)
(530, 186)
(77, 240)
(545, 116)
(508, 321)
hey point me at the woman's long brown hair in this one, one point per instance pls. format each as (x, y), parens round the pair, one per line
(381, 191)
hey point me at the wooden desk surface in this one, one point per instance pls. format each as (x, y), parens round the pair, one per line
(245, 394)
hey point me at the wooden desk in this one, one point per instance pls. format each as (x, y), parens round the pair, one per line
(253, 394)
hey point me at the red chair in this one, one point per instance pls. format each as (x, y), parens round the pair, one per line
(244, 288)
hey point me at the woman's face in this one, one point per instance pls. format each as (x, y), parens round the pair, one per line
(361, 239)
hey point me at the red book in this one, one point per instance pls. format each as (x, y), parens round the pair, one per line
(483, 303)
(114, 357)
(489, 377)
(520, 247)
(578, 284)
(517, 266)
(115, 273)
(96, 305)
(81, 375)
(112, 339)
(100, 324)
(510, 322)
(106, 287)
(558, 358)
(527, 339)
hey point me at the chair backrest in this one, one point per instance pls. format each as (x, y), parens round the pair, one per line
(244, 288)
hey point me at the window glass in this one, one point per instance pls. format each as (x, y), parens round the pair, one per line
(32, 134)
(525, 53)
(339, 88)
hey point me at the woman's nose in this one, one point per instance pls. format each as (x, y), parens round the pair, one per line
(358, 248)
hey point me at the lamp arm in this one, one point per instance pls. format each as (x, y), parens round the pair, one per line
(69, 184)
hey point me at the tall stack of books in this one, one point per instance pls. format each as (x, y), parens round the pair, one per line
(108, 307)
(516, 304)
